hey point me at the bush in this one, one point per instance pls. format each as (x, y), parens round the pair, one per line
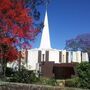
(83, 72)
(72, 82)
(83, 76)
(9, 72)
(24, 76)
(47, 81)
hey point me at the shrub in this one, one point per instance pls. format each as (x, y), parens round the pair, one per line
(47, 81)
(24, 76)
(83, 72)
(9, 72)
(82, 79)
(74, 82)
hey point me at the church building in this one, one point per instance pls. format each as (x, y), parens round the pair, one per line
(45, 53)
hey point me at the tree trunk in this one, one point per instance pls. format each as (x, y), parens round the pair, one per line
(3, 64)
(19, 62)
(4, 67)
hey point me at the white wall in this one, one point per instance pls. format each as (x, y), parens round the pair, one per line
(74, 56)
(85, 57)
(78, 56)
(54, 56)
(32, 59)
(69, 57)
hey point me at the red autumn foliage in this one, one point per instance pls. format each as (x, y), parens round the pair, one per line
(12, 54)
(7, 41)
(15, 20)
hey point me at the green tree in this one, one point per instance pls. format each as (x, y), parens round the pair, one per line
(83, 72)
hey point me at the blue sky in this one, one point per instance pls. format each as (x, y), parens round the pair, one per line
(67, 19)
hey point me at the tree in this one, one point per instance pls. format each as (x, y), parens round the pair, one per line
(81, 42)
(15, 21)
(83, 72)
(82, 77)
(17, 27)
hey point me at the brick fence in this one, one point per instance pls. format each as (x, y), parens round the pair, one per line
(19, 86)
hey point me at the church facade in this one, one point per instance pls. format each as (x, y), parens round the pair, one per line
(47, 54)
(36, 56)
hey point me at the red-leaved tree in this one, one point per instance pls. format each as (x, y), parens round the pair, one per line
(16, 26)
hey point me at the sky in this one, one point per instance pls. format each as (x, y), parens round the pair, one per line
(67, 19)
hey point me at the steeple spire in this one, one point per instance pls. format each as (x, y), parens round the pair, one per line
(45, 40)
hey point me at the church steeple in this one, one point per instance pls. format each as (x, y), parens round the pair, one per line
(45, 39)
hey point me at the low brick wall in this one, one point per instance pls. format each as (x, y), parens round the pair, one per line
(19, 86)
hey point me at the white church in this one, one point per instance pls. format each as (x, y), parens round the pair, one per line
(46, 53)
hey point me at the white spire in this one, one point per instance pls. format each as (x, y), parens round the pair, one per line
(45, 40)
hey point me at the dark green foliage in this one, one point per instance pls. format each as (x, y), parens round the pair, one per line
(9, 72)
(51, 82)
(83, 72)
(82, 78)
(72, 82)
(47, 81)
(24, 76)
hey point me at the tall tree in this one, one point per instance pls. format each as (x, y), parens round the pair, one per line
(17, 27)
